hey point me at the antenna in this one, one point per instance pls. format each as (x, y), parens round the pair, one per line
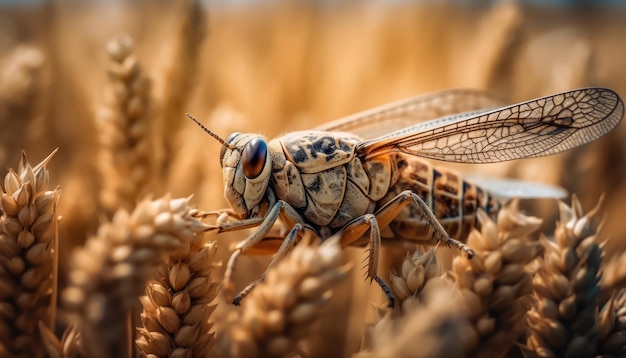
(218, 138)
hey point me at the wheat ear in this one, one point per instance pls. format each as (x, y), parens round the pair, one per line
(562, 320)
(495, 285)
(124, 130)
(20, 85)
(109, 273)
(179, 75)
(177, 308)
(432, 326)
(28, 258)
(281, 311)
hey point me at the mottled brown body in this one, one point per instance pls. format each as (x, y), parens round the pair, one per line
(369, 185)
(320, 176)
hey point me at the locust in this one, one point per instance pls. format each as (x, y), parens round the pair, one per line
(366, 178)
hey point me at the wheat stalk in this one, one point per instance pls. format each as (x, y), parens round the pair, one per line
(124, 128)
(495, 285)
(109, 273)
(282, 311)
(179, 75)
(177, 309)
(562, 320)
(495, 41)
(28, 257)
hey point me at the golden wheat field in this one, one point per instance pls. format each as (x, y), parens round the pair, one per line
(103, 249)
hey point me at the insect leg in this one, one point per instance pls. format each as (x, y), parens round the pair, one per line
(287, 244)
(352, 232)
(388, 212)
(282, 209)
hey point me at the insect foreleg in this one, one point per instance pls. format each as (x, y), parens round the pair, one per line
(282, 209)
(391, 209)
(287, 244)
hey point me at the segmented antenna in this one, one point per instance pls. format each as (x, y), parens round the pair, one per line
(219, 139)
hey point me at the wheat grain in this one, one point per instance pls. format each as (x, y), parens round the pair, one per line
(282, 311)
(177, 309)
(110, 272)
(494, 284)
(28, 253)
(126, 145)
(562, 320)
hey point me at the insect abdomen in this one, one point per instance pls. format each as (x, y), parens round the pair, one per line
(453, 200)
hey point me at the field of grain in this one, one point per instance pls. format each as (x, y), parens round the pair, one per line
(102, 252)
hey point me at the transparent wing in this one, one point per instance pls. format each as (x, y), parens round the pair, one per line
(512, 188)
(407, 112)
(535, 128)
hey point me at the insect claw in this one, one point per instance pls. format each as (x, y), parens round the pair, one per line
(386, 290)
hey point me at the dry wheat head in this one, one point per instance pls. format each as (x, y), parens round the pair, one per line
(28, 258)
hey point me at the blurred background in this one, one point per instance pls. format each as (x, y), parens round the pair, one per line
(277, 66)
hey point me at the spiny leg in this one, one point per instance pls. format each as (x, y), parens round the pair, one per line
(383, 217)
(351, 232)
(287, 244)
(388, 212)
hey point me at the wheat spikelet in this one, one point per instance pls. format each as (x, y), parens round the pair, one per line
(614, 273)
(562, 320)
(282, 310)
(494, 284)
(124, 130)
(177, 309)
(416, 271)
(110, 272)
(20, 81)
(28, 258)
(435, 326)
(66, 347)
(612, 326)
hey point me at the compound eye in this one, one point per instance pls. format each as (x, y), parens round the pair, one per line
(254, 157)
(223, 150)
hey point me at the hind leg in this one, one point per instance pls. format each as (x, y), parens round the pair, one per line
(383, 217)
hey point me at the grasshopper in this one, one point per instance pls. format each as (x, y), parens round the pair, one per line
(362, 177)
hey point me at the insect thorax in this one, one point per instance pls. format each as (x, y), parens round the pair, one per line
(318, 174)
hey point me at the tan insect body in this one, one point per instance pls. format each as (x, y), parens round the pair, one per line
(331, 180)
